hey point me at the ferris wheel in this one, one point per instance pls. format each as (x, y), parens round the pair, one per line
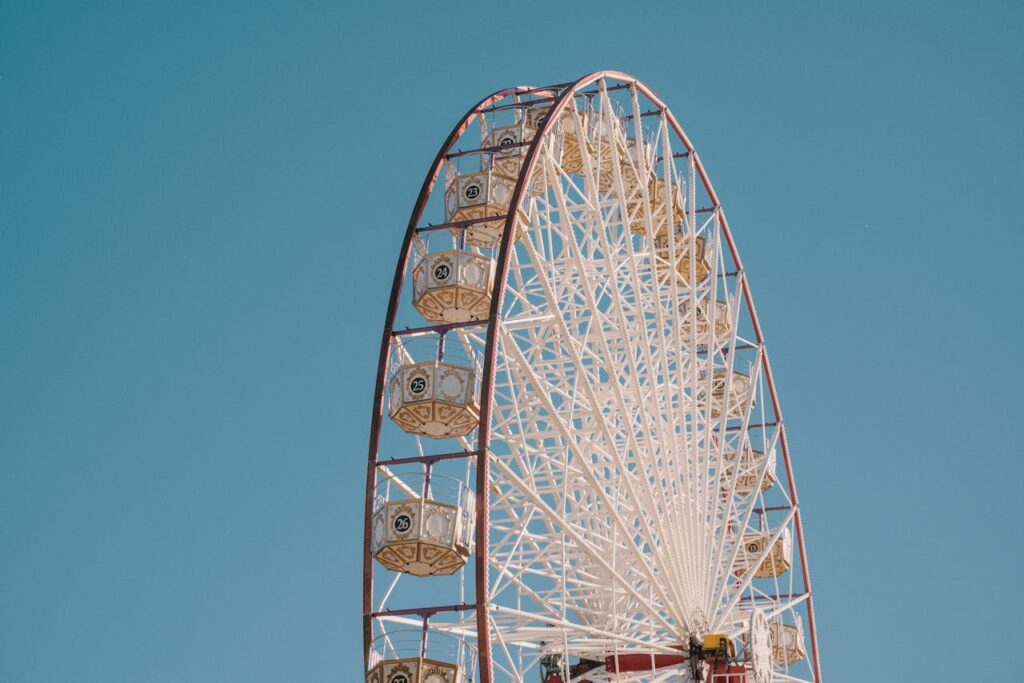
(578, 469)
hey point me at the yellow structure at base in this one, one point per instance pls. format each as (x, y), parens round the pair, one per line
(717, 642)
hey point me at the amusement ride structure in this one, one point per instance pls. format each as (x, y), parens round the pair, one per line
(578, 469)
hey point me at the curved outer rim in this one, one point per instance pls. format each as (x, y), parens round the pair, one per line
(487, 380)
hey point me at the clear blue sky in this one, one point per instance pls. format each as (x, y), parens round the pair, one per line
(201, 204)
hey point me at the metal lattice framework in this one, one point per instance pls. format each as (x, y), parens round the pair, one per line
(617, 491)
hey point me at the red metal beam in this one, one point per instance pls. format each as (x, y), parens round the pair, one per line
(422, 611)
(642, 661)
(428, 459)
(442, 327)
(461, 224)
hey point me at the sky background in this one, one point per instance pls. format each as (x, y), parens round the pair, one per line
(201, 204)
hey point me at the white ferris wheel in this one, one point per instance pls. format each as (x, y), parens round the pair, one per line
(578, 470)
